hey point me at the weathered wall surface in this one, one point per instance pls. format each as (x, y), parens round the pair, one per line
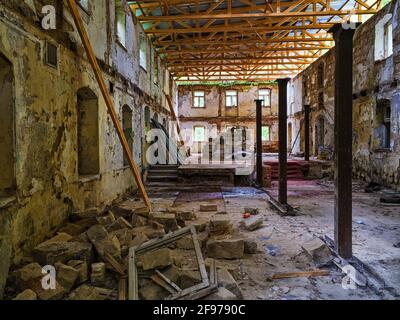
(373, 81)
(48, 186)
(320, 97)
(216, 117)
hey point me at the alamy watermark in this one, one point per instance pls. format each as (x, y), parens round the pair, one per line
(49, 21)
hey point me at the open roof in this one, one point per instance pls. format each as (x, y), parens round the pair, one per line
(261, 40)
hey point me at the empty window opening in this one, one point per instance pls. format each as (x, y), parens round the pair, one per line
(319, 135)
(51, 58)
(199, 99)
(88, 133)
(7, 142)
(156, 67)
(388, 40)
(143, 51)
(266, 133)
(231, 98)
(120, 22)
(384, 38)
(199, 134)
(84, 4)
(265, 96)
(128, 131)
(383, 117)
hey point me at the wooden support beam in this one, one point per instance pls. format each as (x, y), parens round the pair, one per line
(282, 83)
(109, 103)
(174, 117)
(343, 138)
(259, 141)
(307, 133)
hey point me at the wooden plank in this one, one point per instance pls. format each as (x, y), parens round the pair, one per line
(133, 279)
(122, 289)
(163, 241)
(200, 259)
(169, 281)
(109, 103)
(162, 283)
(115, 264)
(300, 274)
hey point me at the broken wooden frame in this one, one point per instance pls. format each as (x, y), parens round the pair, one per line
(106, 95)
(209, 290)
(156, 244)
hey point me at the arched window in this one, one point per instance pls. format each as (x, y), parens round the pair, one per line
(7, 142)
(88, 133)
(128, 131)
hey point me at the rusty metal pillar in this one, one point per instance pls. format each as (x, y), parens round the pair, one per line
(259, 141)
(343, 138)
(282, 83)
(307, 133)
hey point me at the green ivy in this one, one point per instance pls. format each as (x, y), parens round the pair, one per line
(226, 84)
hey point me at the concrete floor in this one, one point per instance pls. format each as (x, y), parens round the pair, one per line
(376, 229)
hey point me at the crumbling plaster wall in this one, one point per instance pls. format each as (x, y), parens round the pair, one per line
(48, 185)
(216, 117)
(372, 81)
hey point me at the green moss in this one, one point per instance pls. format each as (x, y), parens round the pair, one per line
(226, 84)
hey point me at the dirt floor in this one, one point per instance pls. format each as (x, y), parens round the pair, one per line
(376, 229)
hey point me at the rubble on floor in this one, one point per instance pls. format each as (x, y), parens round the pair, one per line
(264, 256)
(90, 255)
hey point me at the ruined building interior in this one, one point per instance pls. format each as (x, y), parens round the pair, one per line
(199, 150)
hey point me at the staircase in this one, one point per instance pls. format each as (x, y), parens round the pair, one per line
(162, 175)
(296, 170)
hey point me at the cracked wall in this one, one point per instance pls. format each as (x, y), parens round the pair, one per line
(216, 117)
(48, 186)
(373, 82)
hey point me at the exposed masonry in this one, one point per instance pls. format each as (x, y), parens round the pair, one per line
(45, 111)
(375, 83)
(216, 117)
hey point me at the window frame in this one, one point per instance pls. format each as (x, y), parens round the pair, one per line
(194, 133)
(388, 49)
(269, 133)
(262, 97)
(236, 97)
(194, 99)
(143, 41)
(119, 9)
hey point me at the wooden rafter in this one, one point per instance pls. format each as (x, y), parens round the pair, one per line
(209, 39)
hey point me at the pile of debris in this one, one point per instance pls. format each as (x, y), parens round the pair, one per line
(126, 252)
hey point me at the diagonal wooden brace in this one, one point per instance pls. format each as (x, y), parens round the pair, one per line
(109, 103)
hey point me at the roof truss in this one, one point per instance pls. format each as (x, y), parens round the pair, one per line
(259, 40)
